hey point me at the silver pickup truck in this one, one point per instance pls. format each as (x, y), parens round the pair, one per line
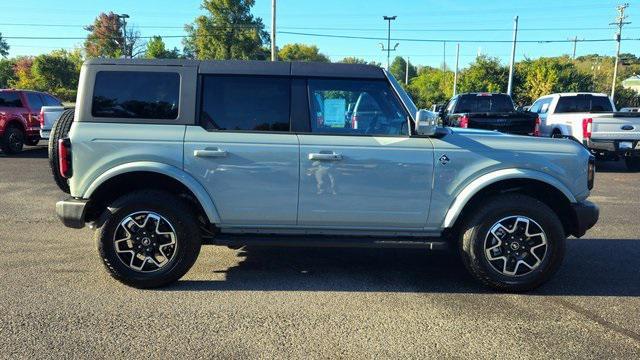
(163, 156)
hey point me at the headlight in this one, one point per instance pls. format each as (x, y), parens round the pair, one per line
(591, 172)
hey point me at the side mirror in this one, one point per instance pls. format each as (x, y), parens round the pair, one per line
(426, 122)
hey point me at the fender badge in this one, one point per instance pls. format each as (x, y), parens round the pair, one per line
(628, 127)
(444, 159)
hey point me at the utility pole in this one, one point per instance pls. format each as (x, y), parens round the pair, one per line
(455, 74)
(620, 22)
(513, 56)
(575, 45)
(274, 56)
(124, 18)
(388, 49)
(406, 72)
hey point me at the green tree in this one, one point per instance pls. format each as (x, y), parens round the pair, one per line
(430, 87)
(156, 49)
(398, 69)
(4, 47)
(106, 38)
(355, 60)
(56, 73)
(227, 31)
(7, 73)
(301, 52)
(485, 74)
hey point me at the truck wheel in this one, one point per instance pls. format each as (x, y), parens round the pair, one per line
(512, 243)
(556, 134)
(633, 163)
(12, 141)
(59, 130)
(148, 239)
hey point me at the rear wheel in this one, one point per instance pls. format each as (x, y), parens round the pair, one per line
(556, 134)
(512, 243)
(632, 162)
(59, 130)
(148, 239)
(12, 141)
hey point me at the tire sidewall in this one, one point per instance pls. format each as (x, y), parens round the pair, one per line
(474, 239)
(187, 239)
(15, 131)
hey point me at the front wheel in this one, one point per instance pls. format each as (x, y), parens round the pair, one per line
(512, 243)
(632, 162)
(148, 239)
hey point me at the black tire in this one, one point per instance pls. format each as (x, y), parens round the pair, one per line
(176, 212)
(476, 229)
(632, 163)
(33, 141)
(556, 134)
(59, 130)
(12, 141)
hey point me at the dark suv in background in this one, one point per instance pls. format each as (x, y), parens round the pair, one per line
(19, 122)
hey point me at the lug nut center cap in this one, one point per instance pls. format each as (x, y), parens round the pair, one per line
(514, 246)
(146, 241)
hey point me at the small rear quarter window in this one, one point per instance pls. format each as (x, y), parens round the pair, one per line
(136, 95)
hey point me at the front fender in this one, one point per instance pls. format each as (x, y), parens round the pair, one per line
(178, 174)
(483, 181)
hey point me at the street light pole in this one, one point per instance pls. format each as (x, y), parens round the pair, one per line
(455, 74)
(124, 18)
(513, 56)
(388, 49)
(274, 56)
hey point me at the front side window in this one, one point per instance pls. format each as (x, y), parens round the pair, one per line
(136, 95)
(10, 99)
(358, 107)
(245, 103)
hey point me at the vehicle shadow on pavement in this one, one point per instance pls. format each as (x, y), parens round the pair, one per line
(610, 167)
(30, 152)
(592, 267)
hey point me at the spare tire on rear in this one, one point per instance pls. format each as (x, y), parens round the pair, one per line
(59, 130)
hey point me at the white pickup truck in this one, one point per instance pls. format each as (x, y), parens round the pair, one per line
(591, 119)
(48, 116)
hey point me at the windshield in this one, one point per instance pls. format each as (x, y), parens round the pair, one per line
(406, 99)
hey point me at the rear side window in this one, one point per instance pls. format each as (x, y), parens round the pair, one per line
(10, 99)
(583, 103)
(136, 95)
(245, 103)
(35, 101)
(51, 101)
(484, 103)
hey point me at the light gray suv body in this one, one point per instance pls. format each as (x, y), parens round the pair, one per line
(165, 155)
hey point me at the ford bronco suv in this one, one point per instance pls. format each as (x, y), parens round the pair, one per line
(161, 156)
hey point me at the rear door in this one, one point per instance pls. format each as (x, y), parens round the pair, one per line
(373, 176)
(243, 152)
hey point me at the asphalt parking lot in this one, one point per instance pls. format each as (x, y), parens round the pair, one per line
(57, 301)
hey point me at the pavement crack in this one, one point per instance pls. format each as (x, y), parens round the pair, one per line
(598, 319)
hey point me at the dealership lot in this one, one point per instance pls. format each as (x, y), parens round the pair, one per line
(322, 303)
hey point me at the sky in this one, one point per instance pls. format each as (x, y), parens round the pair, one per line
(470, 22)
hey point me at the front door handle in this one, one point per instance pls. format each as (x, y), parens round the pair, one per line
(325, 156)
(210, 153)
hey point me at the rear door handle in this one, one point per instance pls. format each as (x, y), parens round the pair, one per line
(210, 153)
(325, 156)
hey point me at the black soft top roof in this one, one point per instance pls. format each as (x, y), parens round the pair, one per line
(252, 67)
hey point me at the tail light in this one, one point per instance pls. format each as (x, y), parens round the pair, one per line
(41, 118)
(536, 129)
(354, 122)
(64, 158)
(463, 121)
(587, 125)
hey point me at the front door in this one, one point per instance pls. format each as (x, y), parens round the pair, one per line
(243, 152)
(359, 168)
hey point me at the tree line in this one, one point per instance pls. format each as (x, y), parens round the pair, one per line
(228, 30)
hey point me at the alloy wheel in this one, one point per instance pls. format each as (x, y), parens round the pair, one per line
(145, 241)
(515, 245)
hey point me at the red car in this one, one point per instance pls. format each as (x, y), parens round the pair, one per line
(19, 122)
